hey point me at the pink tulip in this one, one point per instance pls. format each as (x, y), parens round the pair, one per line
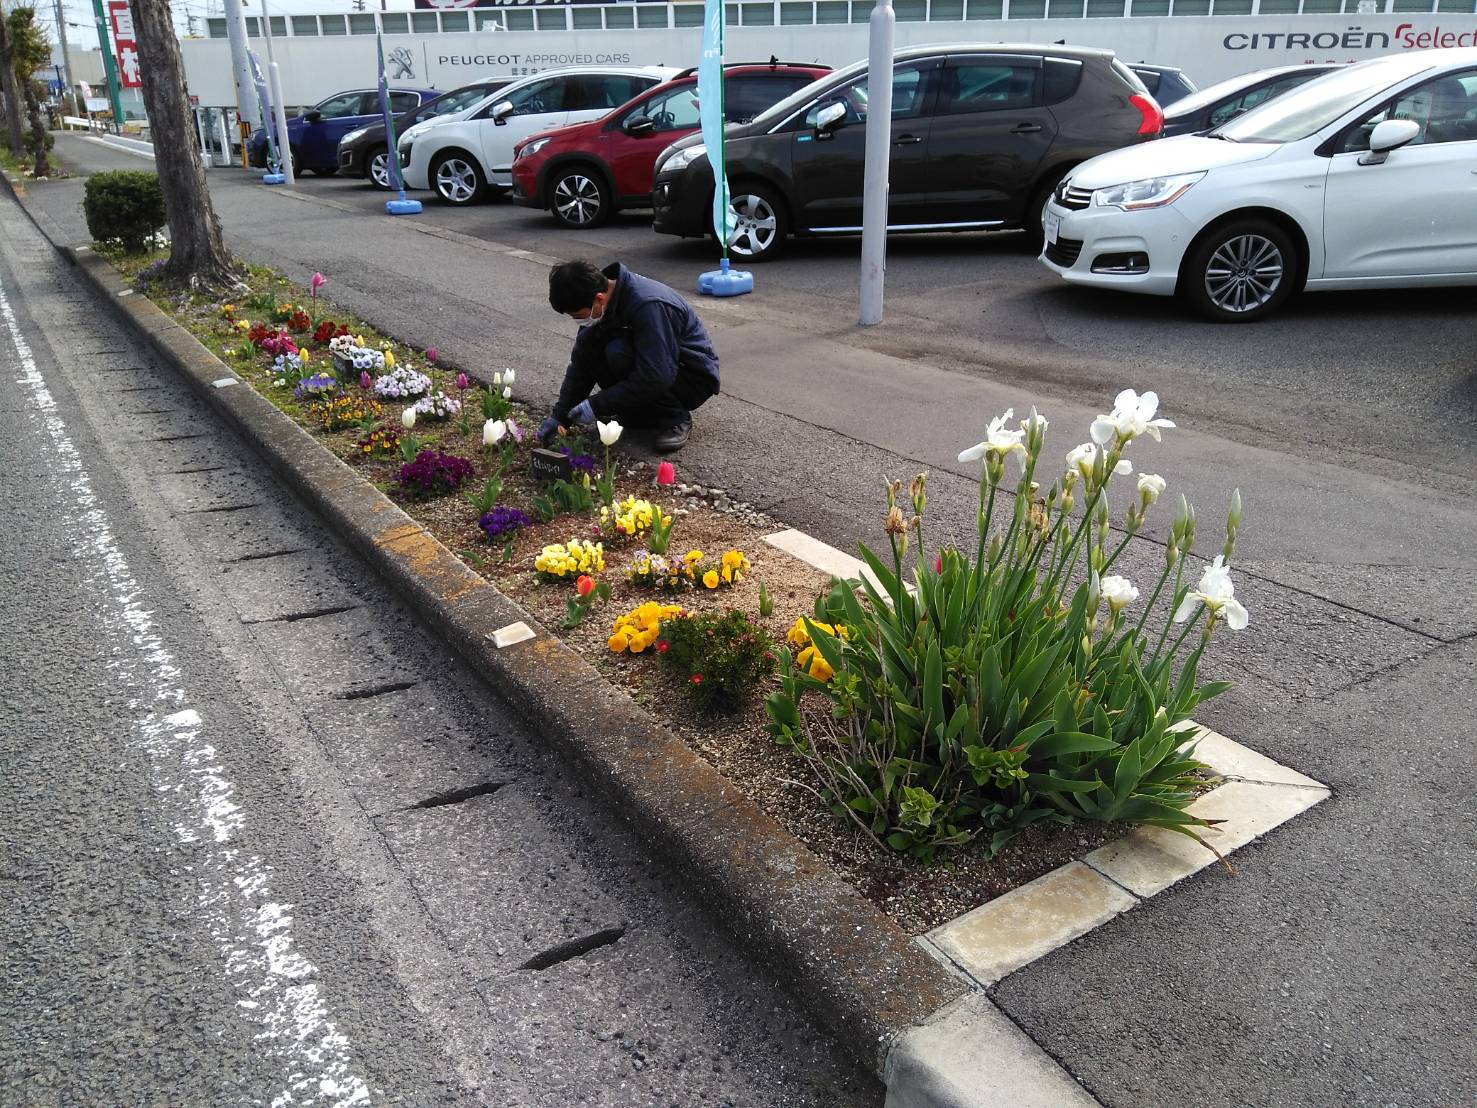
(666, 473)
(462, 382)
(432, 355)
(938, 563)
(365, 380)
(315, 283)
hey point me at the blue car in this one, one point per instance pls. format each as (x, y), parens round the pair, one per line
(314, 134)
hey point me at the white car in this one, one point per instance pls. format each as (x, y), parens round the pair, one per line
(1363, 178)
(462, 155)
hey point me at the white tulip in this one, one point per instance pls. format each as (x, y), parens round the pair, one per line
(497, 380)
(1132, 415)
(1217, 593)
(609, 432)
(493, 432)
(1150, 486)
(998, 440)
(507, 393)
(407, 418)
(508, 376)
(1118, 591)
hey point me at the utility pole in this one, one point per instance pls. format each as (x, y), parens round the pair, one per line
(877, 162)
(279, 110)
(241, 67)
(110, 65)
(61, 36)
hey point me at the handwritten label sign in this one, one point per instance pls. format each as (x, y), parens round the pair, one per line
(546, 465)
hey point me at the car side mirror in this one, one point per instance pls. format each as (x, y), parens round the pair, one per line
(1388, 136)
(639, 125)
(313, 116)
(500, 112)
(829, 118)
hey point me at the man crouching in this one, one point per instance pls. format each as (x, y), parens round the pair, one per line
(641, 343)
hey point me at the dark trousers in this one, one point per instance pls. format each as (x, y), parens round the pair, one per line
(675, 406)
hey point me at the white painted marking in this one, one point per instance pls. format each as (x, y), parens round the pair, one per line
(140, 150)
(512, 633)
(273, 982)
(223, 383)
(125, 292)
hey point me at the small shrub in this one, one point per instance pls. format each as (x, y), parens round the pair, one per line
(434, 473)
(720, 656)
(123, 206)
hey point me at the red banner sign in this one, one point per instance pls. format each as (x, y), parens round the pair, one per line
(122, 20)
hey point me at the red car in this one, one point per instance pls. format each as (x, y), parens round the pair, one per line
(584, 173)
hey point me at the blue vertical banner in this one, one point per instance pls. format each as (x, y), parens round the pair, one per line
(710, 111)
(401, 206)
(269, 121)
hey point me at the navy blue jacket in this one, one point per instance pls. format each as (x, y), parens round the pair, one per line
(661, 340)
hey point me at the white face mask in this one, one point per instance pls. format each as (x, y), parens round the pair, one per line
(593, 319)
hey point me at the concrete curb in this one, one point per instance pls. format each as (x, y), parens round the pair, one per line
(856, 971)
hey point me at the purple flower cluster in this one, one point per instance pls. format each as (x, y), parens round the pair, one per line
(320, 384)
(582, 462)
(434, 473)
(502, 522)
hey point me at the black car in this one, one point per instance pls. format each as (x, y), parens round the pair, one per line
(1166, 83)
(981, 134)
(363, 153)
(1210, 107)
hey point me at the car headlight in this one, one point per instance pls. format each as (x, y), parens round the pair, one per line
(682, 158)
(352, 135)
(1151, 192)
(532, 148)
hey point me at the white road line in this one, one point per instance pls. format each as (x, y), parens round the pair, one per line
(274, 983)
(118, 144)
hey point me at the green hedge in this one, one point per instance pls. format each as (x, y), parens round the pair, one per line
(123, 206)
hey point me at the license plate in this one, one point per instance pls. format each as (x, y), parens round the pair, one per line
(1052, 224)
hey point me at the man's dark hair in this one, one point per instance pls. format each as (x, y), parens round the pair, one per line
(574, 285)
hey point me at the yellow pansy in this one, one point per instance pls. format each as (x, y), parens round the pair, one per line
(710, 579)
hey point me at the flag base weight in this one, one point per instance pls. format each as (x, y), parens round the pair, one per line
(403, 207)
(274, 178)
(724, 281)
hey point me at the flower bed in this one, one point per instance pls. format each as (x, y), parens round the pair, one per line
(959, 724)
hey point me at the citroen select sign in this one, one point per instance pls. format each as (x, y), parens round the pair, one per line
(1407, 36)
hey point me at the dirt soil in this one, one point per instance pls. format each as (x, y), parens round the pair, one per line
(917, 896)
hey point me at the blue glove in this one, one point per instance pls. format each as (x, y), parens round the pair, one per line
(547, 429)
(582, 413)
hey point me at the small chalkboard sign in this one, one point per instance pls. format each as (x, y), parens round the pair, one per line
(546, 465)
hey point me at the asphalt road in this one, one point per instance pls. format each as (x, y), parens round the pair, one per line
(1329, 971)
(261, 840)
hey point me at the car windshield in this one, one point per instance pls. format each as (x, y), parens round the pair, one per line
(457, 100)
(800, 97)
(1218, 91)
(1307, 110)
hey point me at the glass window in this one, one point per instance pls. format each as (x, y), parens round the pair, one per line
(909, 88)
(1199, 7)
(686, 15)
(336, 107)
(1307, 110)
(453, 22)
(361, 23)
(731, 15)
(1232, 7)
(1062, 79)
(1154, 7)
(671, 111)
(797, 15)
(941, 10)
(253, 27)
(987, 86)
(305, 26)
(278, 25)
(746, 97)
(832, 11)
(494, 20)
(651, 15)
(1108, 9)
(332, 24)
(1064, 9)
(625, 17)
(1027, 9)
(587, 18)
(758, 15)
(592, 92)
(548, 19)
(1411, 6)
(1463, 6)
(520, 19)
(1445, 109)
(395, 23)
(424, 23)
(399, 101)
(215, 28)
(984, 9)
(911, 11)
(1280, 7)
(1325, 6)
(861, 11)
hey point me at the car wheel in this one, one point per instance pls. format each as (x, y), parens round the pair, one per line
(1240, 272)
(458, 179)
(1035, 233)
(762, 223)
(379, 167)
(580, 199)
(326, 171)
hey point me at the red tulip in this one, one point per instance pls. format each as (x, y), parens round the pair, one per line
(938, 563)
(666, 473)
(585, 585)
(365, 380)
(432, 354)
(462, 382)
(663, 646)
(697, 678)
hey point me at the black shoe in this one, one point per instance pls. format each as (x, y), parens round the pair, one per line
(672, 438)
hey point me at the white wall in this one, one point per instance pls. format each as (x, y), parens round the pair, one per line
(1208, 49)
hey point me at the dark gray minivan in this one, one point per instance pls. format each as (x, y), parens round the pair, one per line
(981, 134)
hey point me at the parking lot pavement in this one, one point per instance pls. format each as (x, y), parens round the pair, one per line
(1347, 422)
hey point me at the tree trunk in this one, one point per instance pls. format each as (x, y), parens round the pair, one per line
(39, 134)
(197, 254)
(11, 87)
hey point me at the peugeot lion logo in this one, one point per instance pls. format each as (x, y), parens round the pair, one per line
(403, 64)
